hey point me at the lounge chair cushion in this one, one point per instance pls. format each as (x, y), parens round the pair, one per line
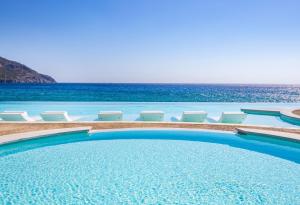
(152, 116)
(110, 115)
(232, 117)
(193, 116)
(15, 116)
(55, 116)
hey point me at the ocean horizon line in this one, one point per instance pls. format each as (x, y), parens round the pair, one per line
(150, 83)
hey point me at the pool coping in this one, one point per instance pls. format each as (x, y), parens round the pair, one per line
(159, 128)
(142, 122)
(12, 138)
(13, 127)
(274, 134)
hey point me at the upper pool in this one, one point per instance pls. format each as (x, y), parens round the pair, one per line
(150, 167)
(87, 111)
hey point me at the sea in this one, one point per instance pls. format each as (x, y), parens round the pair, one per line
(125, 92)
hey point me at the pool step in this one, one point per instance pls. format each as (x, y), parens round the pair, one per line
(284, 114)
(265, 111)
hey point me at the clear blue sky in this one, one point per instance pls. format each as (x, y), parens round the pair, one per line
(192, 41)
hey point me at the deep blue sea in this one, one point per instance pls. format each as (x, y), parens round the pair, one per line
(150, 92)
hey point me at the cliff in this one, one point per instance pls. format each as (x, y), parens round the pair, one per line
(14, 72)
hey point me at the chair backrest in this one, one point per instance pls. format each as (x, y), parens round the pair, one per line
(152, 116)
(14, 116)
(193, 116)
(55, 116)
(110, 116)
(233, 117)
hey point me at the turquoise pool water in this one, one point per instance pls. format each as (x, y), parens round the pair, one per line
(150, 167)
(87, 111)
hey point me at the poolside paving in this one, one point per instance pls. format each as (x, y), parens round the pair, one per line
(297, 112)
(12, 128)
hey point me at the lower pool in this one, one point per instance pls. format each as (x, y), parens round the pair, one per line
(87, 111)
(150, 167)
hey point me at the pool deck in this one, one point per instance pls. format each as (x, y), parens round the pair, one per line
(12, 128)
(297, 112)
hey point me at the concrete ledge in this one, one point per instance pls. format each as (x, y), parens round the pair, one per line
(287, 115)
(5, 139)
(290, 117)
(12, 128)
(296, 112)
(269, 133)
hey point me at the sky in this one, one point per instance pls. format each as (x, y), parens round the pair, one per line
(155, 41)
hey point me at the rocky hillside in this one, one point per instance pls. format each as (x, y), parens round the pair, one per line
(14, 72)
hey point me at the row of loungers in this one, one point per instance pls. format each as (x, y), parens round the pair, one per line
(187, 116)
(23, 116)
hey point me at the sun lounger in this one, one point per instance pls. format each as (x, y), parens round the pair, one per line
(110, 116)
(152, 116)
(55, 116)
(193, 116)
(15, 116)
(232, 117)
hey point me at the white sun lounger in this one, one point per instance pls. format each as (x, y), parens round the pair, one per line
(152, 116)
(193, 116)
(55, 116)
(15, 116)
(110, 116)
(232, 117)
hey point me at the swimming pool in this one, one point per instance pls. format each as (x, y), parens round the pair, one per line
(150, 167)
(87, 111)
